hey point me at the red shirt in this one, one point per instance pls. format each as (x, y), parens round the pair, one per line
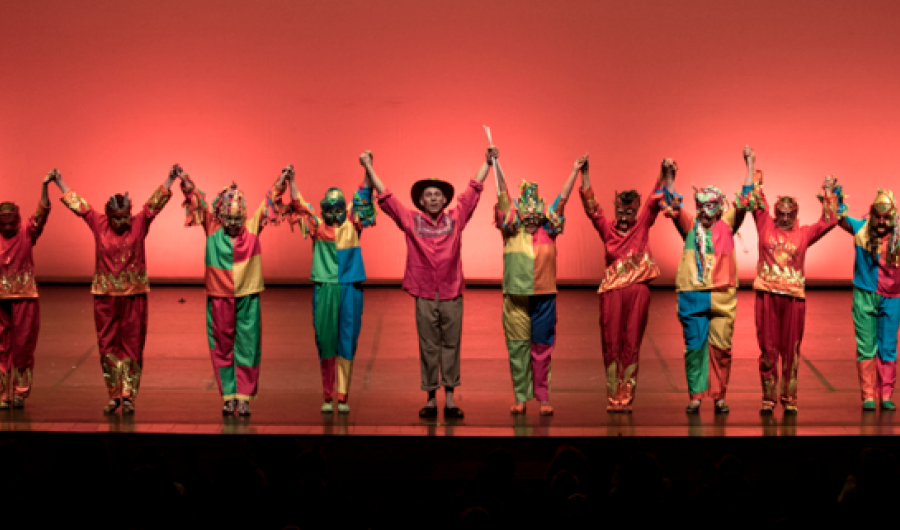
(16, 260)
(120, 267)
(433, 259)
(628, 258)
(782, 253)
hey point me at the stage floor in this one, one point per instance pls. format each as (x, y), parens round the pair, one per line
(178, 394)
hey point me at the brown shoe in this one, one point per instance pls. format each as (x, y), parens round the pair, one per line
(112, 406)
(127, 406)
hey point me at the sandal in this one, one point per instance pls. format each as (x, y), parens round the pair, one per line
(518, 408)
(112, 406)
(721, 407)
(693, 408)
(546, 409)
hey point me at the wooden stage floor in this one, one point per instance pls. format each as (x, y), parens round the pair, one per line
(178, 394)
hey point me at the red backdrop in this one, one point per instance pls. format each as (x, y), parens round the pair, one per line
(113, 92)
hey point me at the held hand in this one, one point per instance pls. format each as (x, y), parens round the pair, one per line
(186, 185)
(366, 159)
(176, 172)
(51, 176)
(491, 154)
(288, 172)
(749, 156)
(581, 164)
(829, 183)
(669, 168)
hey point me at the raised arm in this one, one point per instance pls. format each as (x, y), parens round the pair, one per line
(832, 204)
(366, 159)
(72, 200)
(485, 168)
(735, 216)
(389, 204)
(580, 165)
(299, 211)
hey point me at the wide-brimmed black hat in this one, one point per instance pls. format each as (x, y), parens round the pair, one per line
(419, 188)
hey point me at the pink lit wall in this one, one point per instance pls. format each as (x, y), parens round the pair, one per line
(113, 92)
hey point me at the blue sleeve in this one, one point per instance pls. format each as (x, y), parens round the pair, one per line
(855, 224)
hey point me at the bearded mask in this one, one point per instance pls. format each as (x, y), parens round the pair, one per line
(787, 207)
(334, 207)
(118, 212)
(627, 205)
(710, 201)
(10, 220)
(530, 206)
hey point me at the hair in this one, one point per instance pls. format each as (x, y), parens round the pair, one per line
(628, 196)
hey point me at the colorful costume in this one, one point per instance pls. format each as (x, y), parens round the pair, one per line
(780, 289)
(337, 271)
(19, 310)
(624, 294)
(120, 287)
(434, 276)
(707, 283)
(529, 288)
(876, 300)
(233, 282)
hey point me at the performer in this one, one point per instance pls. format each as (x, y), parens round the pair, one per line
(876, 298)
(20, 317)
(338, 273)
(434, 273)
(706, 283)
(233, 282)
(120, 286)
(529, 232)
(779, 285)
(624, 293)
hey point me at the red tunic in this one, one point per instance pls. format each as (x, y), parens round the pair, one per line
(628, 258)
(16, 260)
(120, 267)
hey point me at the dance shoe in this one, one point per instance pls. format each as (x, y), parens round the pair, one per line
(693, 408)
(343, 408)
(112, 406)
(327, 407)
(229, 407)
(767, 409)
(546, 409)
(869, 405)
(428, 412)
(453, 413)
(887, 404)
(790, 410)
(18, 402)
(243, 408)
(4, 405)
(518, 408)
(721, 407)
(127, 406)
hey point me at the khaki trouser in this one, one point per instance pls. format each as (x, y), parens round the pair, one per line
(439, 324)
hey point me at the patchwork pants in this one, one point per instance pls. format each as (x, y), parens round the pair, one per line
(234, 328)
(337, 317)
(623, 319)
(121, 323)
(779, 330)
(439, 325)
(529, 323)
(707, 322)
(20, 320)
(876, 320)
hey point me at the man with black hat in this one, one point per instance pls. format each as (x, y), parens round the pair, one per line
(120, 285)
(434, 272)
(20, 316)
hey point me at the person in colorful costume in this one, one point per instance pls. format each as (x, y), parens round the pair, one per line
(707, 283)
(529, 230)
(20, 317)
(434, 273)
(780, 285)
(624, 293)
(876, 298)
(120, 286)
(233, 282)
(338, 273)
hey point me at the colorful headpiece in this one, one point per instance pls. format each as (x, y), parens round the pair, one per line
(334, 207)
(884, 203)
(230, 201)
(710, 200)
(530, 205)
(9, 212)
(119, 202)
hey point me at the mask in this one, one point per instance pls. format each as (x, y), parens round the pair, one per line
(530, 206)
(334, 207)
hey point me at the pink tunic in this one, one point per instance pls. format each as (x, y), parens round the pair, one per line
(16, 260)
(433, 259)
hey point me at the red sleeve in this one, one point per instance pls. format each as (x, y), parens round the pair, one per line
(394, 209)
